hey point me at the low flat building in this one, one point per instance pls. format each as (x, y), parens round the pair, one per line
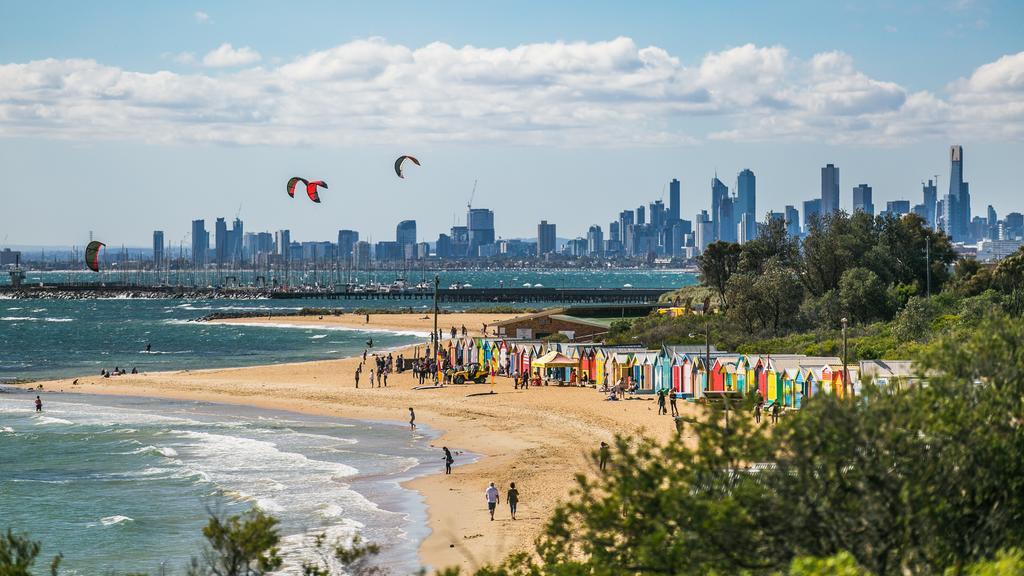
(549, 322)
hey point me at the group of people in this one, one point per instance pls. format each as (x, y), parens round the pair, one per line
(118, 371)
(621, 388)
(493, 497)
(662, 394)
(382, 366)
(759, 407)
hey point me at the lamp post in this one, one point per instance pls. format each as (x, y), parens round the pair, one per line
(846, 372)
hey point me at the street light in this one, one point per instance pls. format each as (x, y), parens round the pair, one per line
(846, 372)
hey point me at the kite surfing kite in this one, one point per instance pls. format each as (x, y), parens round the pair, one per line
(92, 255)
(400, 161)
(311, 187)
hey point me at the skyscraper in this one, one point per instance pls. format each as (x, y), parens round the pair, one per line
(546, 238)
(200, 243)
(405, 233)
(957, 203)
(657, 214)
(221, 240)
(641, 218)
(862, 200)
(931, 196)
(625, 222)
(704, 230)
(746, 202)
(283, 240)
(158, 248)
(234, 245)
(595, 241)
(812, 211)
(721, 207)
(792, 221)
(829, 189)
(346, 241)
(480, 222)
(674, 209)
(897, 207)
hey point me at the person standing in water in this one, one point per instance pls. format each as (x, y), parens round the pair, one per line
(448, 460)
(412, 419)
(492, 496)
(512, 498)
(149, 347)
(39, 404)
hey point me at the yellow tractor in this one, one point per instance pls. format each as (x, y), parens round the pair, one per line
(473, 372)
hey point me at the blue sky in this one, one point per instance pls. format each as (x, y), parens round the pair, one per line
(143, 115)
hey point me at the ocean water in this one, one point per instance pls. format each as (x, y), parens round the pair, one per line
(119, 484)
(60, 338)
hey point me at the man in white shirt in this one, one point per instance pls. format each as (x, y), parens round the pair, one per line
(491, 494)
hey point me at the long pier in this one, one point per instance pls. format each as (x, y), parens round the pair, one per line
(502, 295)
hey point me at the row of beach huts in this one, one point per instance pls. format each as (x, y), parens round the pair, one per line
(690, 372)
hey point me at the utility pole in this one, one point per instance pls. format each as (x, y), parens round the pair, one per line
(928, 265)
(846, 372)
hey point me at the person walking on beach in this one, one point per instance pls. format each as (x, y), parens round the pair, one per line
(357, 377)
(512, 497)
(757, 412)
(385, 376)
(661, 403)
(672, 404)
(463, 330)
(39, 404)
(603, 454)
(367, 318)
(448, 460)
(371, 378)
(412, 419)
(775, 413)
(492, 496)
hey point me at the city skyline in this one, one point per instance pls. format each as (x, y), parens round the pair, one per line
(560, 110)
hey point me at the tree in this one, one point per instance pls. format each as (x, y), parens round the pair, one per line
(718, 263)
(241, 545)
(18, 554)
(862, 295)
(352, 559)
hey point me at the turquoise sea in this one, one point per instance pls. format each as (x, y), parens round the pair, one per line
(126, 484)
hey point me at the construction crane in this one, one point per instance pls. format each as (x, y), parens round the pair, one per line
(469, 204)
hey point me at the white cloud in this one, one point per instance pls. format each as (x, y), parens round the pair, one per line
(226, 56)
(610, 93)
(202, 17)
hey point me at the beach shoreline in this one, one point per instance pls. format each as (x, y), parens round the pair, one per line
(539, 438)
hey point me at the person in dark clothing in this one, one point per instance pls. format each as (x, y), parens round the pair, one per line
(775, 412)
(448, 460)
(603, 455)
(512, 497)
(672, 404)
(661, 403)
(357, 377)
(757, 412)
(39, 404)
(412, 419)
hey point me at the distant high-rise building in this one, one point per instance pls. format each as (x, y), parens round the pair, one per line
(992, 221)
(625, 222)
(546, 239)
(221, 241)
(158, 248)
(1013, 226)
(405, 233)
(346, 242)
(480, 222)
(674, 212)
(641, 218)
(719, 196)
(829, 189)
(862, 200)
(233, 250)
(704, 230)
(743, 227)
(792, 222)
(812, 211)
(283, 240)
(361, 255)
(897, 208)
(200, 243)
(443, 247)
(957, 203)
(613, 231)
(595, 241)
(746, 202)
(930, 192)
(657, 214)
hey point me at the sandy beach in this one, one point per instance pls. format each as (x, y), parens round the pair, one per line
(538, 438)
